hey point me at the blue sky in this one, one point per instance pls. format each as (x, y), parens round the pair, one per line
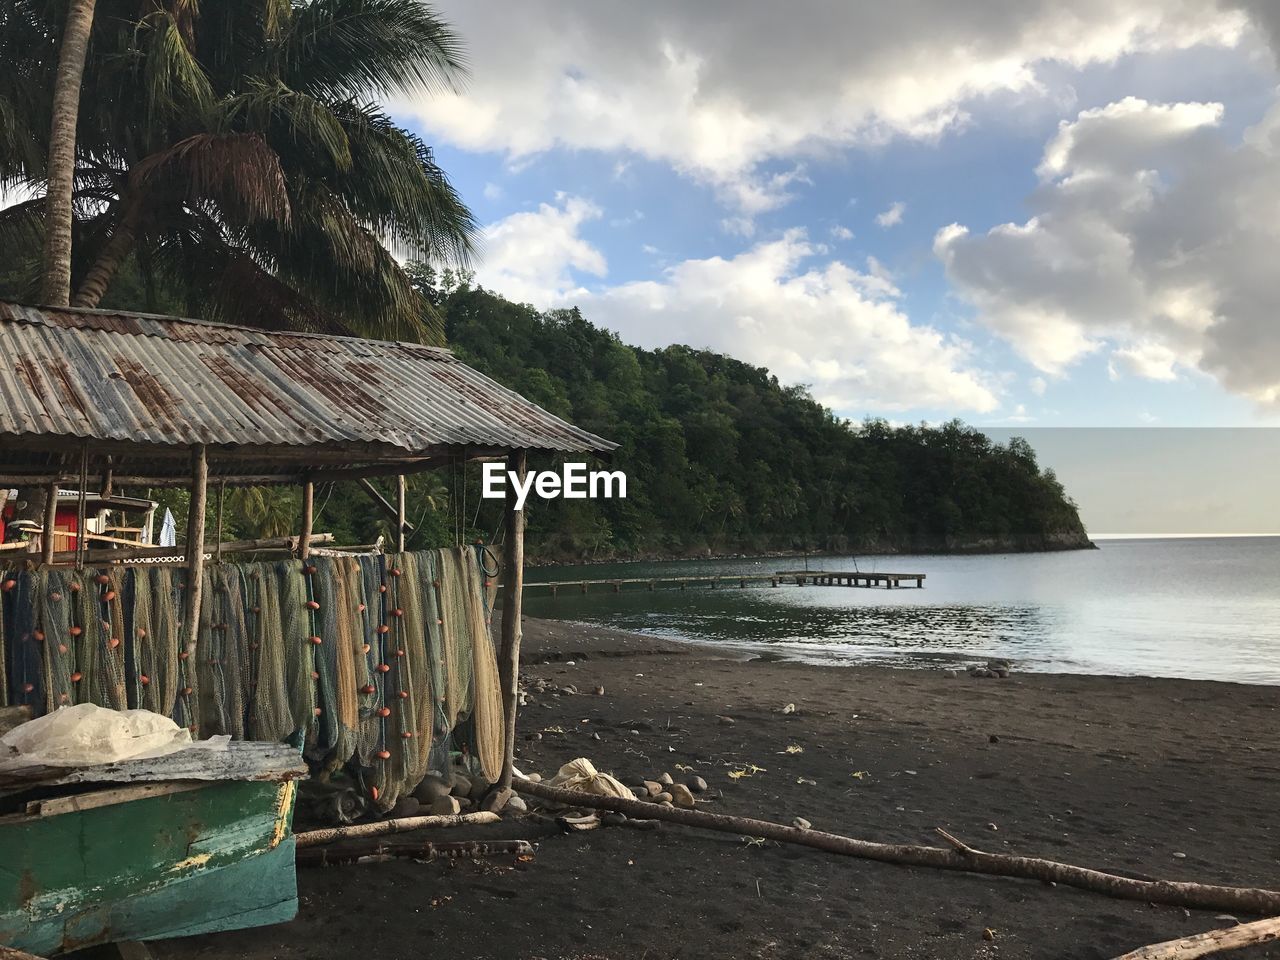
(714, 175)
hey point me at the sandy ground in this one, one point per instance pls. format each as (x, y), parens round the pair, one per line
(1154, 778)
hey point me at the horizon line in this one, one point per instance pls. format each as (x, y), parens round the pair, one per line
(1173, 536)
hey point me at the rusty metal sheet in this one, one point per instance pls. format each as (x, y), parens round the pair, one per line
(108, 375)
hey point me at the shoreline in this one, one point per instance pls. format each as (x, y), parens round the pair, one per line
(1164, 778)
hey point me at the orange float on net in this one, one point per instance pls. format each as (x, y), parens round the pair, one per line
(397, 612)
(383, 628)
(384, 667)
(368, 688)
(113, 642)
(76, 631)
(362, 608)
(408, 735)
(384, 711)
(142, 632)
(383, 755)
(28, 687)
(382, 588)
(108, 596)
(310, 568)
(315, 675)
(62, 648)
(144, 679)
(399, 653)
(373, 792)
(38, 635)
(102, 578)
(317, 641)
(55, 596)
(395, 571)
(75, 677)
(187, 691)
(366, 648)
(8, 585)
(184, 654)
(312, 605)
(318, 711)
(403, 694)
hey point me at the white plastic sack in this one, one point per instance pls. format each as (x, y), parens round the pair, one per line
(87, 735)
(582, 775)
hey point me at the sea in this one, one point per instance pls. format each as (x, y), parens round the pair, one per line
(1198, 607)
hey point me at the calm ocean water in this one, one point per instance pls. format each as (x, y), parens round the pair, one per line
(1194, 608)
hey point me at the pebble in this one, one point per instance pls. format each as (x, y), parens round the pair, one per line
(652, 787)
(665, 779)
(461, 785)
(663, 797)
(535, 777)
(801, 823)
(568, 691)
(697, 785)
(1179, 855)
(950, 674)
(517, 804)
(725, 721)
(430, 788)
(596, 736)
(444, 806)
(666, 803)
(613, 818)
(681, 796)
(599, 691)
(789, 708)
(405, 807)
(992, 738)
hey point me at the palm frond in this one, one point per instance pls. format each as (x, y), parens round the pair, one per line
(237, 170)
(285, 116)
(350, 49)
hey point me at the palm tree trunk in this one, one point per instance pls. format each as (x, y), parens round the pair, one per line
(56, 286)
(108, 262)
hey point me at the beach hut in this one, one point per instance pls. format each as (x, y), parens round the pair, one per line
(105, 401)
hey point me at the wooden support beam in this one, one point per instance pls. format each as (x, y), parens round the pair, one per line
(308, 518)
(142, 552)
(50, 519)
(400, 500)
(509, 648)
(195, 545)
(82, 514)
(382, 501)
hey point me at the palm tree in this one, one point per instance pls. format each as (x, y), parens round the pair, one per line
(56, 280)
(234, 151)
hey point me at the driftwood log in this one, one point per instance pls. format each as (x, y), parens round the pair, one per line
(1214, 941)
(380, 828)
(378, 852)
(1199, 896)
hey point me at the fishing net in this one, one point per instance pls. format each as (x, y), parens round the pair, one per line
(380, 664)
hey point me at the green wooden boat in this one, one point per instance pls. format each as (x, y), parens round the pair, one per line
(194, 842)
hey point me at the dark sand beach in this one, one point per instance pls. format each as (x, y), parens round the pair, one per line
(1150, 778)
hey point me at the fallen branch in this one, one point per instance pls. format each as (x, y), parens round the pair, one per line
(1214, 941)
(381, 852)
(1198, 896)
(380, 828)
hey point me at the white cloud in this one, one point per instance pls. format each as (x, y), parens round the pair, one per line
(821, 323)
(1154, 240)
(723, 90)
(530, 256)
(1038, 385)
(893, 216)
(841, 232)
(492, 191)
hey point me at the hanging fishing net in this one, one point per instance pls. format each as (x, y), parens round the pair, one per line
(379, 664)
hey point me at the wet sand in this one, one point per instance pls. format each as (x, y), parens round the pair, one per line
(1123, 774)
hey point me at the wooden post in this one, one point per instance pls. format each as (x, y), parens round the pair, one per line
(50, 516)
(308, 517)
(400, 518)
(509, 649)
(195, 544)
(222, 493)
(82, 515)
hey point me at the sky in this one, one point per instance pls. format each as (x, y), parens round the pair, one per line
(1022, 213)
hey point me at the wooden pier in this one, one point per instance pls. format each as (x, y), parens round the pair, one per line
(817, 578)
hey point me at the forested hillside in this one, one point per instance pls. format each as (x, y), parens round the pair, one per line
(722, 458)
(719, 456)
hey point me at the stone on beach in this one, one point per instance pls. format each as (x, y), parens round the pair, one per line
(445, 806)
(430, 788)
(697, 785)
(665, 779)
(681, 796)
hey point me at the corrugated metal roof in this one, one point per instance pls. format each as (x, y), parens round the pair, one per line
(107, 375)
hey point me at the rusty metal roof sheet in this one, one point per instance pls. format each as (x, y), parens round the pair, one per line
(108, 375)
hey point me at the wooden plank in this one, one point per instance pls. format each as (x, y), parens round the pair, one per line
(241, 760)
(106, 798)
